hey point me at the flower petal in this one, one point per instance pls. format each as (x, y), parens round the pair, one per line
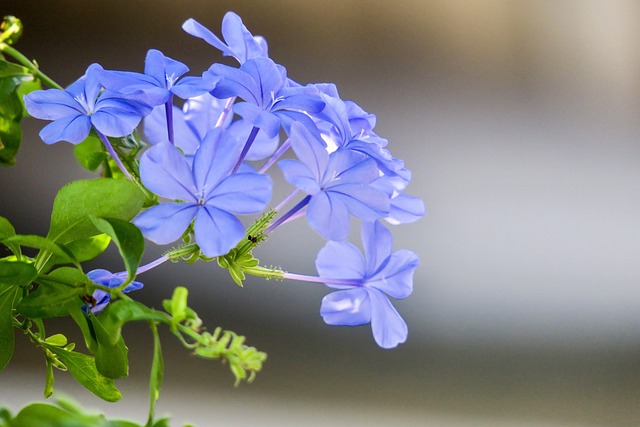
(340, 260)
(165, 223)
(242, 193)
(378, 244)
(52, 104)
(346, 308)
(395, 278)
(73, 129)
(389, 329)
(165, 171)
(298, 174)
(214, 160)
(329, 216)
(217, 231)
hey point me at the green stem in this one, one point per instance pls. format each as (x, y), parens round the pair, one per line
(28, 64)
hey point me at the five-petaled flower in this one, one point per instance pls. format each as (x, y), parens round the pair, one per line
(82, 105)
(363, 283)
(112, 280)
(206, 192)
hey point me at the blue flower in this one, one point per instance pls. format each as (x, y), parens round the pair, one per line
(269, 100)
(366, 282)
(83, 105)
(112, 280)
(161, 78)
(239, 42)
(338, 185)
(207, 192)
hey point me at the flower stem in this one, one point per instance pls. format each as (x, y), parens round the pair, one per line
(328, 281)
(301, 204)
(245, 149)
(28, 64)
(286, 200)
(113, 153)
(274, 158)
(225, 111)
(168, 106)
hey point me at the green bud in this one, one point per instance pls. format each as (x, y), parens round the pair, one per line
(10, 30)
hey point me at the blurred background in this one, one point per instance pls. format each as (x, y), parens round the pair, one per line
(520, 123)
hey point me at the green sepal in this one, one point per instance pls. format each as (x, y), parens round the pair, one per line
(57, 291)
(7, 335)
(103, 198)
(83, 368)
(129, 240)
(111, 359)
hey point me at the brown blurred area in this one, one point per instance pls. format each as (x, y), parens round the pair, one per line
(520, 123)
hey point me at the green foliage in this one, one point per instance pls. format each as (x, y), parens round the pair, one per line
(56, 292)
(62, 254)
(7, 336)
(76, 202)
(111, 358)
(90, 153)
(129, 240)
(15, 81)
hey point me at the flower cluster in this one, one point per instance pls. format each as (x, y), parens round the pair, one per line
(202, 164)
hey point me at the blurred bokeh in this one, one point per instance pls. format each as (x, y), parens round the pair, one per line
(520, 122)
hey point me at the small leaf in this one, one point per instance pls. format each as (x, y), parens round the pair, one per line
(157, 372)
(111, 359)
(58, 340)
(38, 242)
(124, 311)
(49, 380)
(128, 238)
(179, 304)
(83, 368)
(82, 249)
(103, 198)
(90, 153)
(84, 323)
(7, 336)
(6, 229)
(18, 273)
(57, 291)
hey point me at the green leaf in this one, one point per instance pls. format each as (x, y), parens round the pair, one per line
(49, 380)
(6, 229)
(11, 75)
(57, 291)
(45, 415)
(111, 359)
(17, 273)
(124, 311)
(129, 240)
(32, 241)
(90, 153)
(82, 249)
(84, 323)
(103, 198)
(83, 368)
(11, 110)
(7, 336)
(157, 372)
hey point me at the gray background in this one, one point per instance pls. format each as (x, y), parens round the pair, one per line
(520, 123)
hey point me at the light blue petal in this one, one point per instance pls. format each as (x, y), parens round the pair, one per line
(165, 171)
(112, 122)
(298, 174)
(263, 146)
(165, 223)
(362, 201)
(310, 150)
(193, 27)
(268, 78)
(268, 122)
(329, 216)
(378, 244)
(52, 104)
(242, 45)
(396, 276)
(202, 113)
(73, 129)
(214, 161)
(340, 260)
(389, 329)
(405, 209)
(346, 166)
(217, 231)
(242, 193)
(346, 308)
(235, 82)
